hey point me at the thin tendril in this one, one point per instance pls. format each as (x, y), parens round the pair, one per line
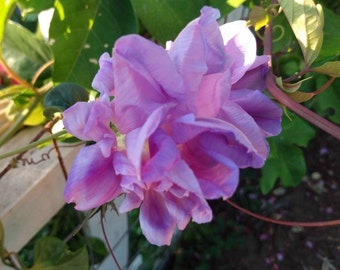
(286, 222)
(282, 32)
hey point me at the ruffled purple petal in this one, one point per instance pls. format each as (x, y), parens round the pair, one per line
(156, 222)
(198, 49)
(136, 139)
(237, 136)
(240, 47)
(212, 94)
(103, 80)
(266, 113)
(183, 209)
(92, 180)
(89, 121)
(142, 84)
(254, 78)
(217, 175)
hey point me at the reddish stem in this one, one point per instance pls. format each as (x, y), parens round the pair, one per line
(299, 109)
(281, 97)
(285, 222)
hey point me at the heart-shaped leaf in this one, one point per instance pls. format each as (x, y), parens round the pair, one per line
(306, 21)
(81, 31)
(62, 97)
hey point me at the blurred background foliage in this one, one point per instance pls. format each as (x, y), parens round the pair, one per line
(33, 61)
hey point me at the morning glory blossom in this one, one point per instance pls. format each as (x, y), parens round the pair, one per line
(188, 118)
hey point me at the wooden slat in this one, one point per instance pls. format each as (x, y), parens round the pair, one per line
(31, 194)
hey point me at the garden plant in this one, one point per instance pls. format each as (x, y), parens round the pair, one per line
(175, 104)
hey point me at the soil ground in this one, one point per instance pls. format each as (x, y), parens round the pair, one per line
(237, 241)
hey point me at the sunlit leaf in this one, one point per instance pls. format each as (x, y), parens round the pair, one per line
(300, 97)
(235, 3)
(290, 87)
(258, 17)
(12, 91)
(306, 21)
(36, 117)
(81, 31)
(330, 68)
(34, 6)
(164, 19)
(23, 51)
(6, 7)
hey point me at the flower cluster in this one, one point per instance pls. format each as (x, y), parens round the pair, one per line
(188, 118)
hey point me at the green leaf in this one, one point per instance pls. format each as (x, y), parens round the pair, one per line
(6, 7)
(23, 51)
(258, 17)
(290, 87)
(62, 97)
(164, 19)
(270, 174)
(224, 7)
(81, 31)
(283, 37)
(296, 131)
(34, 6)
(330, 68)
(286, 160)
(327, 103)
(99, 249)
(306, 21)
(51, 253)
(331, 38)
(235, 3)
(300, 97)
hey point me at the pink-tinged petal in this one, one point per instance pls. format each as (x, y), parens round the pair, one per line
(135, 140)
(217, 174)
(240, 46)
(183, 209)
(145, 79)
(254, 78)
(130, 202)
(166, 165)
(130, 182)
(266, 113)
(236, 136)
(156, 222)
(89, 121)
(103, 80)
(212, 94)
(198, 49)
(163, 156)
(92, 180)
(123, 165)
(218, 182)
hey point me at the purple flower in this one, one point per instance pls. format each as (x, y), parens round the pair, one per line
(190, 116)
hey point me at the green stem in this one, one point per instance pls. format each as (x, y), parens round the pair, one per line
(33, 144)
